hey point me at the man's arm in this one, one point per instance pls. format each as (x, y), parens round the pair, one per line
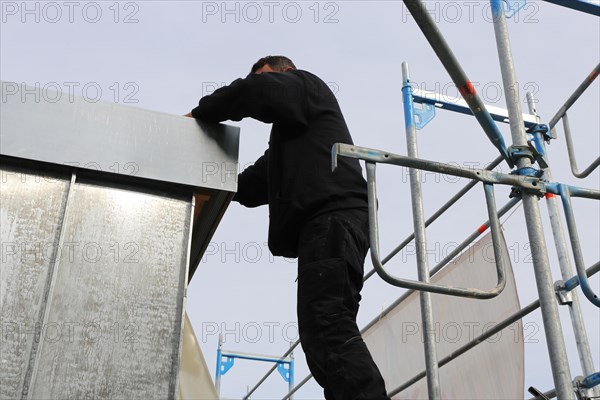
(267, 97)
(252, 184)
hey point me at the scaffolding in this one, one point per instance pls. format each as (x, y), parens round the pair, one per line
(226, 359)
(530, 180)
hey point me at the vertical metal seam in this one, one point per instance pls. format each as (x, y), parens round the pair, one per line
(173, 391)
(37, 345)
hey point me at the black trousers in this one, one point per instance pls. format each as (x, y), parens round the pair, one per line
(331, 254)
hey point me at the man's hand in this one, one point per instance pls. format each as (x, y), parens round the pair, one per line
(189, 115)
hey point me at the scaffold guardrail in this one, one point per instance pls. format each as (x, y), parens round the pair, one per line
(529, 183)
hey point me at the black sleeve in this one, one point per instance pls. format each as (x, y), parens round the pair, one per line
(252, 184)
(268, 97)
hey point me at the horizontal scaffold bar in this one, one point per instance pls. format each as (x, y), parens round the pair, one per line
(530, 183)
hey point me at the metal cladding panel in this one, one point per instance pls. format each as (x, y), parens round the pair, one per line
(494, 369)
(117, 138)
(112, 327)
(31, 212)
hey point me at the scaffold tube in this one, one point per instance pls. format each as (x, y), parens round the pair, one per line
(583, 6)
(571, 152)
(557, 352)
(459, 77)
(560, 244)
(436, 215)
(429, 340)
(576, 94)
(576, 246)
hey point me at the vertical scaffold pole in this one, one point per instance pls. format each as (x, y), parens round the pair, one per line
(558, 232)
(541, 265)
(219, 366)
(431, 363)
(291, 377)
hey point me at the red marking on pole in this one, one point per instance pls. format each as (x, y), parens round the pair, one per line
(550, 195)
(467, 89)
(482, 228)
(593, 76)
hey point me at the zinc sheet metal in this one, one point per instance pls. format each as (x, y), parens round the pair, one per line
(119, 139)
(112, 328)
(31, 211)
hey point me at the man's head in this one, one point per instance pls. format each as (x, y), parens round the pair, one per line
(273, 64)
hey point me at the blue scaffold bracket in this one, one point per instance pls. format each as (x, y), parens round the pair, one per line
(543, 130)
(226, 364)
(511, 7)
(540, 134)
(538, 153)
(284, 370)
(423, 115)
(529, 172)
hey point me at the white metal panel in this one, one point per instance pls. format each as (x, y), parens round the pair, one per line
(442, 98)
(195, 380)
(492, 370)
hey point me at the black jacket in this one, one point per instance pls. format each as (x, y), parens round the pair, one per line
(294, 175)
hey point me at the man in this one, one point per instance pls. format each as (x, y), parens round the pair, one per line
(316, 215)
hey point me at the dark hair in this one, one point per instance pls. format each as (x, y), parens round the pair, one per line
(277, 63)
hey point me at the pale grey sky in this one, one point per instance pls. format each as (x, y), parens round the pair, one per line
(164, 55)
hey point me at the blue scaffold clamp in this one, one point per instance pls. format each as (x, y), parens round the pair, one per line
(423, 115)
(511, 7)
(530, 151)
(582, 384)
(543, 130)
(529, 172)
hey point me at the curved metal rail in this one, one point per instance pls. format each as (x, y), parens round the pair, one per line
(571, 152)
(565, 194)
(432, 287)
(489, 178)
(562, 114)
